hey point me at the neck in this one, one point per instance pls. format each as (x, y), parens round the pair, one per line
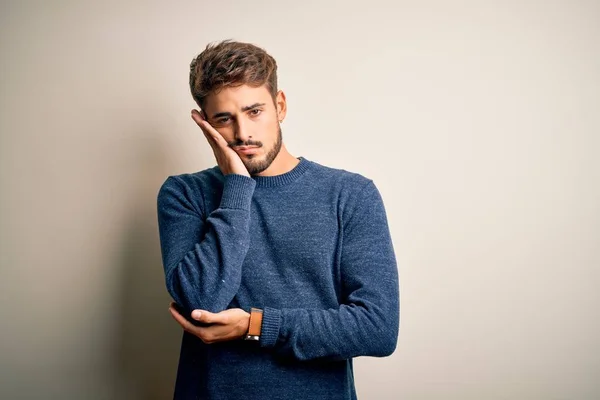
(284, 162)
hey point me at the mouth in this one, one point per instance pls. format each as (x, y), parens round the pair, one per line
(247, 149)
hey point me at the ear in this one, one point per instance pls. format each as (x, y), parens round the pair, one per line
(281, 104)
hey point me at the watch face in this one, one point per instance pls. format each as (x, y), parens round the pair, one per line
(252, 337)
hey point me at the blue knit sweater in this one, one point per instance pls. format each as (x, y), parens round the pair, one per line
(311, 247)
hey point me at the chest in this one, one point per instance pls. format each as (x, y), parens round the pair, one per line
(293, 247)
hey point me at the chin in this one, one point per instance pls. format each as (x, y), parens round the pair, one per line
(256, 164)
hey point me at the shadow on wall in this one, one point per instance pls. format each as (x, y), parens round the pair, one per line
(147, 339)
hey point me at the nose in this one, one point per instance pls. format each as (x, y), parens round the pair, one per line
(242, 131)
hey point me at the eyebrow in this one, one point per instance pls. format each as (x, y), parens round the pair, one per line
(244, 109)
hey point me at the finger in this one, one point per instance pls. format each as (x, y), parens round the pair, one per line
(174, 312)
(197, 117)
(185, 324)
(173, 307)
(205, 316)
(201, 122)
(208, 129)
(202, 316)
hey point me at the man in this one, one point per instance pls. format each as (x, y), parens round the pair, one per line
(281, 269)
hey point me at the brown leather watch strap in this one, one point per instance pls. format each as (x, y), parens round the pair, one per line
(256, 315)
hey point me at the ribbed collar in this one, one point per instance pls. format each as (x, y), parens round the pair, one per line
(285, 178)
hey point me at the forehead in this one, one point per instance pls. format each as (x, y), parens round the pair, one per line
(232, 99)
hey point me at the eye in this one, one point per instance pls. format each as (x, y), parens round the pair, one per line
(223, 120)
(256, 111)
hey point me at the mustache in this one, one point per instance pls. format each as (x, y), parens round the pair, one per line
(248, 143)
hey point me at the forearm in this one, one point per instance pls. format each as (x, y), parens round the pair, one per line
(334, 334)
(209, 276)
(206, 273)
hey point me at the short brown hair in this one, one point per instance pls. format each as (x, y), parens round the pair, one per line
(230, 63)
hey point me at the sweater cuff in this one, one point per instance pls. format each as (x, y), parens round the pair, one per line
(271, 323)
(237, 191)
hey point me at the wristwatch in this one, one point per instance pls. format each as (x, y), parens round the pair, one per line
(253, 333)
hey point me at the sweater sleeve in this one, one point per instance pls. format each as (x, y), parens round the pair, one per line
(202, 255)
(367, 321)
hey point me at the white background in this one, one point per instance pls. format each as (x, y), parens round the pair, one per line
(478, 121)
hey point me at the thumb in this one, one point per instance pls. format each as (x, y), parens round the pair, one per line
(203, 316)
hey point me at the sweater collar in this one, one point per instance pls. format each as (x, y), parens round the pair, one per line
(285, 178)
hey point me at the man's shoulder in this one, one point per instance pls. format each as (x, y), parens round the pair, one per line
(198, 181)
(344, 179)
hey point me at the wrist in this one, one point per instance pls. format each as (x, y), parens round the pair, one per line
(254, 324)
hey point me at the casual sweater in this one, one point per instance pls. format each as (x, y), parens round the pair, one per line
(310, 247)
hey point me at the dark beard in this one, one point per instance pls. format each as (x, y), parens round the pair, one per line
(256, 166)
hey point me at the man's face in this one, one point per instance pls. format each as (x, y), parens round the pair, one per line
(246, 116)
